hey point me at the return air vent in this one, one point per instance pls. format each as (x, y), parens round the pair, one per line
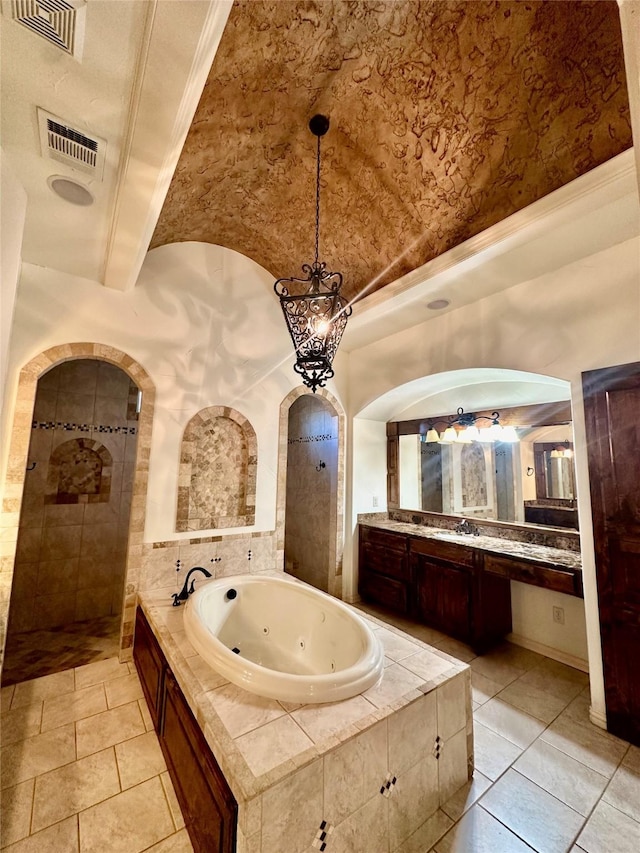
(70, 146)
(60, 22)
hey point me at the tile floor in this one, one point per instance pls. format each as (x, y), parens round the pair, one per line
(82, 771)
(31, 654)
(546, 778)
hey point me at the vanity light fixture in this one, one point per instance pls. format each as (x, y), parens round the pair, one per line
(469, 431)
(562, 451)
(315, 312)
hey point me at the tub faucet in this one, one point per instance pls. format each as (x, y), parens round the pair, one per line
(185, 592)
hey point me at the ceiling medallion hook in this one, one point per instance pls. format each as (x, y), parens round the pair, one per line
(314, 311)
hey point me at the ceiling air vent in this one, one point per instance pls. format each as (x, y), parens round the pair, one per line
(64, 143)
(60, 22)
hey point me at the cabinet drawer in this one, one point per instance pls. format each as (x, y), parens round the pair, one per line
(555, 578)
(386, 591)
(446, 551)
(383, 561)
(384, 539)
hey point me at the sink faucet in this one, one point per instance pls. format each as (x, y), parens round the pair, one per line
(186, 590)
(465, 526)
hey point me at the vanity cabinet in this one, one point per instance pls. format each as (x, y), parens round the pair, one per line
(385, 577)
(207, 803)
(439, 583)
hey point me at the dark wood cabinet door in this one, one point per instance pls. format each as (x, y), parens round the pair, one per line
(612, 415)
(208, 806)
(444, 596)
(150, 664)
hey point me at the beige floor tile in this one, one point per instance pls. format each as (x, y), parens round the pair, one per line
(516, 656)
(16, 812)
(632, 759)
(498, 671)
(538, 703)
(6, 695)
(30, 692)
(139, 759)
(102, 670)
(108, 728)
(132, 821)
(463, 799)
(578, 709)
(146, 716)
(20, 723)
(70, 707)
(534, 815)
(568, 780)
(624, 792)
(556, 679)
(493, 753)
(456, 649)
(172, 800)
(123, 690)
(179, 842)
(75, 787)
(483, 688)
(588, 744)
(36, 755)
(60, 838)
(479, 832)
(609, 830)
(509, 722)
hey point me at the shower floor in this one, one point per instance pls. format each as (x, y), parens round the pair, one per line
(35, 653)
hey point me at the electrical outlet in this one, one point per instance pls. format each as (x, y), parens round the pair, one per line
(374, 500)
(558, 615)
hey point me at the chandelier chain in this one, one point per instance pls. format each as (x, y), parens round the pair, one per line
(317, 199)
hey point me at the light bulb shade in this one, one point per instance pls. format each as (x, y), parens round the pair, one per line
(556, 454)
(487, 434)
(432, 436)
(472, 433)
(449, 435)
(316, 316)
(509, 434)
(463, 436)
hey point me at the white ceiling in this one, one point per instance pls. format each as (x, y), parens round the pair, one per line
(143, 68)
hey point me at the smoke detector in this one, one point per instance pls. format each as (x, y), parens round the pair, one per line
(60, 22)
(60, 141)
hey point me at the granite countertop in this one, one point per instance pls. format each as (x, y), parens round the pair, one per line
(259, 741)
(543, 554)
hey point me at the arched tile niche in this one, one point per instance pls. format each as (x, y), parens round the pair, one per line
(218, 465)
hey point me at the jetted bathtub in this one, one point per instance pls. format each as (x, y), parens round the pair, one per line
(283, 639)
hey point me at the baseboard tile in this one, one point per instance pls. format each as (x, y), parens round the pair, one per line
(597, 718)
(550, 652)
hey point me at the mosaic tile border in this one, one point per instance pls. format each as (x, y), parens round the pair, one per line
(71, 427)
(18, 460)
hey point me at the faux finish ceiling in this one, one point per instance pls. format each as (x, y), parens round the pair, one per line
(446, 117)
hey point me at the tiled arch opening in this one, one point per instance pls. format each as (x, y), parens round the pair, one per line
(337, 520)
(18, 461)
(218, 467)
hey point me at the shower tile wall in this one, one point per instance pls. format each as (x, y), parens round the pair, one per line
(310, 521)
(71, 556)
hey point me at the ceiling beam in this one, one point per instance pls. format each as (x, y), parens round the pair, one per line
(171, 75)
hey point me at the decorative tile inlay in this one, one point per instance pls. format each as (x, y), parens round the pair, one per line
(218, 466)
(79, 471)
(320, 841)
(388, 785)
(438, 746)
(304, 439)
(73, 427)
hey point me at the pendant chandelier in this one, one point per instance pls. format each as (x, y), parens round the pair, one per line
(315, 312)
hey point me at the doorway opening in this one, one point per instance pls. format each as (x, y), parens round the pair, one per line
(69, 575)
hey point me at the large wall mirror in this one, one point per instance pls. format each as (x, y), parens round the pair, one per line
(527, 480)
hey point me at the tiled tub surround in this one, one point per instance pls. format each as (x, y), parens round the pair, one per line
(359, 775)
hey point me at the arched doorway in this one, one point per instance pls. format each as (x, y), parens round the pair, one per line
(311, 489)
(94, 460)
